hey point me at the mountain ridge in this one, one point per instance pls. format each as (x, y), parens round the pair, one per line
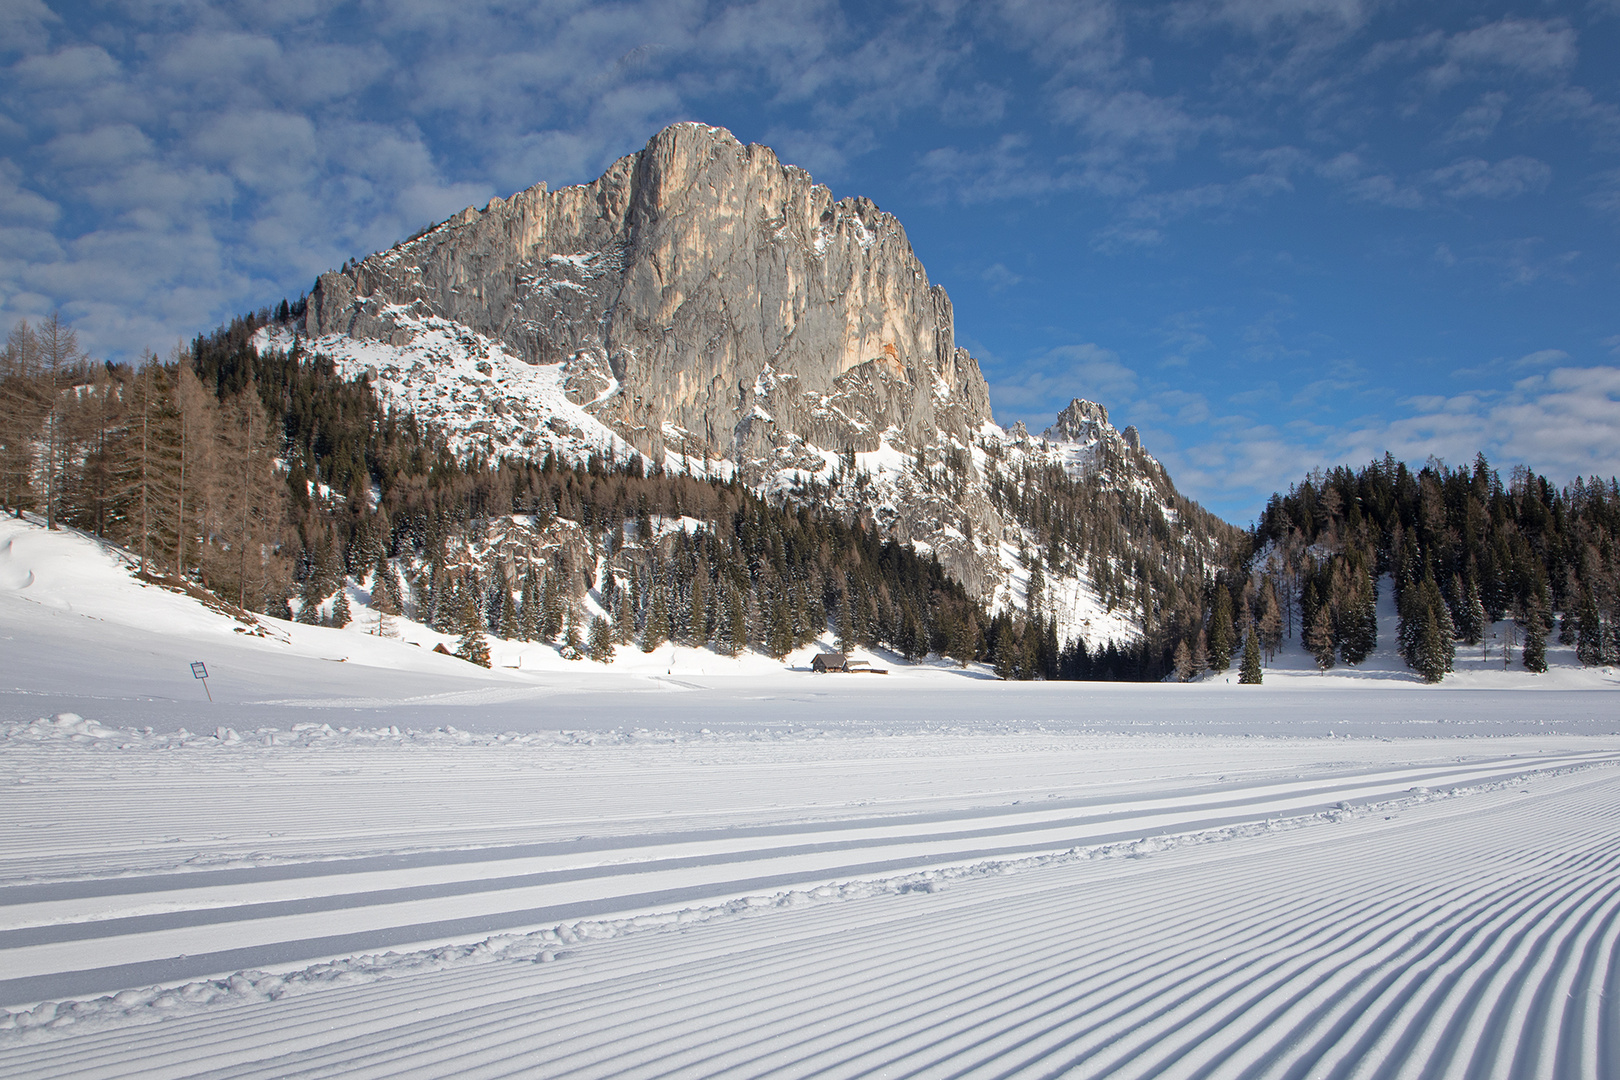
(714, 310)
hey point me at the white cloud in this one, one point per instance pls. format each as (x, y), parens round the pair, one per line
(19, 205)
(68, 69)
(1472, 178)
(1042, 386)
(1465, 178)
(999, 278)
(1564, 423)
(1523, 46)
(1605, 195)
(25, 26)
(104, 147)
(1479, 121)
(1269, 16)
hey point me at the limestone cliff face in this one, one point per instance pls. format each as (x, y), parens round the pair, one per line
(716, 310)
(706, 300)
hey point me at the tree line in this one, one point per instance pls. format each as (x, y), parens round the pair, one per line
(1462, 549)
(146, 456)
(278, 484)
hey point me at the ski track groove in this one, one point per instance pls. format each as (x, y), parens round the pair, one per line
(1498, 960)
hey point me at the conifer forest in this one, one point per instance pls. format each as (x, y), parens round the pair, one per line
(276, 485)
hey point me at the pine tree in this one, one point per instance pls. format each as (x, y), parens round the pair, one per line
(314, 590)
(529, 608)
(778, 623)
(1473, 621)
(1432, 663)
(509, 626)
(551, 606)
(385, 591)
(1589, 634)
(846, 624)
(655, 631)
(1035, 593)
(697, 604)
(624, 619)
(342, 615)
(1535, 647)
(1183, 661)
(1221, 632)
(1007, 652)
(601, 640)
(472, 647)
(1251, 674)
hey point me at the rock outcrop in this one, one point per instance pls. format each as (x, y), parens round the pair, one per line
(705, 305)
(706, 299)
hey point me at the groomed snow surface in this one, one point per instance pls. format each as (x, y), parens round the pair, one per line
(365, 860)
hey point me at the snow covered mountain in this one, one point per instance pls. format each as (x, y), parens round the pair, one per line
(716, 311)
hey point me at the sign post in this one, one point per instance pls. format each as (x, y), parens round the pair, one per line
(198, 671)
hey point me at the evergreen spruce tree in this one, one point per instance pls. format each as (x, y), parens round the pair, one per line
(1007, 653)
(470, 619)
(1444, 627)
(624, 619)
(508, 626)
(1358, 629)
(1473, 623)
(1221, 633)
(656, 629)
(734, 629)
(600, 642)
(551, 606)
(341, 613)
(778, 622)
(529, 608)
(310, 597)
(385, 592)
(1413, 611)
(1430, 649)
(1535, 647)
(697, 606)
(846, 624)
(1250, 674)
(1589, 634)
(1183, 661)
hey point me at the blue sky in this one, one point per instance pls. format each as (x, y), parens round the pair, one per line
(1272, 234)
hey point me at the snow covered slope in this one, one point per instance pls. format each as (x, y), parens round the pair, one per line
(713, 309)
(400, 865)
(490, 402)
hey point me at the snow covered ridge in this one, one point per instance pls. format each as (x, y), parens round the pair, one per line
(481, 397)
(487, 401)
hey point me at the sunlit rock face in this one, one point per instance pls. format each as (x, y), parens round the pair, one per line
(705, 297)
(717, 311)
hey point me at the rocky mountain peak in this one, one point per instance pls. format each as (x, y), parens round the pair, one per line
(700, 292)
(1081, 421)
(717, 311)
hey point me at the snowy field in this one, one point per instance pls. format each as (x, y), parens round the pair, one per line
(365, 860)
